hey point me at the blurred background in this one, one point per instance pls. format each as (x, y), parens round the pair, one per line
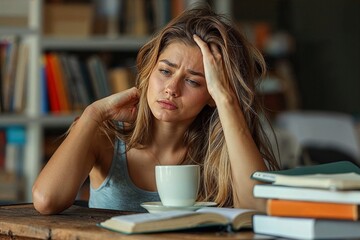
(57, 56)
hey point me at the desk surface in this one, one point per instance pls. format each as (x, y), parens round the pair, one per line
(24, 222)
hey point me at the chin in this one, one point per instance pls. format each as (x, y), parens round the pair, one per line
(165, 119)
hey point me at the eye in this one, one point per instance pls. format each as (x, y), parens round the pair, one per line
(165, 72)
(192, 83)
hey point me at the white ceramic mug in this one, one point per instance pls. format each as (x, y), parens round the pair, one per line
(177, 185)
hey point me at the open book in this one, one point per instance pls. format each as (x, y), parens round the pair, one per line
(339, 175)
(180, 220)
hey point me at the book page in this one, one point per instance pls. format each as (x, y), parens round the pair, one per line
(237, 218)
(229, 213)
(150, 217)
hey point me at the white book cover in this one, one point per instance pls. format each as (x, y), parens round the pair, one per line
(328, 181)
(305, 228)
(306, 194)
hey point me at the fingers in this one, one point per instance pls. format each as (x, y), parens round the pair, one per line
(207, 51)
(213, 67)
(215, 51)
(133, 93)
(128, 96)
(202, 45)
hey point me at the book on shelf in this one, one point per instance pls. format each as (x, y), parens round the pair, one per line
(309, 209)
(73, 83)
(70, 82)
(68, 20)
(21, 74)
(15, 149)
(80, 78)
(52, 92)
(9, 45)
(227, 218)
(10, 186)
(338, 175)
(59, 81)
(137, 17)
(120, 79)
(306, 194)
(13, 64)
(14, 59)
(305, 228)
(2, 59)
(2, 148)
(98, 76)
(44, 98)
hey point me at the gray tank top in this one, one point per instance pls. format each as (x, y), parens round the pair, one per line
(118, 191)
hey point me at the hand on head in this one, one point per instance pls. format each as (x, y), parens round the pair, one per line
(213, 65)
(120, 106)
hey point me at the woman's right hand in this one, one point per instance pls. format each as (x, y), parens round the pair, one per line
(121, 106)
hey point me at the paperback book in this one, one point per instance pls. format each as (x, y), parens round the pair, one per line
(306, 194)
(310, 209)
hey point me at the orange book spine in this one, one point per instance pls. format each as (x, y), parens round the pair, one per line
(325, 210)
(60, 83)
(54, 102)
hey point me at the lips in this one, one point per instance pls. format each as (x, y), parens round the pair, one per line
(166, 104)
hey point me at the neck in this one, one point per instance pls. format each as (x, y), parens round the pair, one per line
(167, 145)
(169, 135)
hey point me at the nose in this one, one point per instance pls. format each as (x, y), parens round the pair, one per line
(172, 88)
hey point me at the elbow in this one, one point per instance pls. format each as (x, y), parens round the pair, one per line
(43, 203)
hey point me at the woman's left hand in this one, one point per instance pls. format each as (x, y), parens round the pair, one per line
(213, 67)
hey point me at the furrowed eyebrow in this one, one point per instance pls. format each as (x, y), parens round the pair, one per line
(192, 72)
(196, 73)
(169, 63)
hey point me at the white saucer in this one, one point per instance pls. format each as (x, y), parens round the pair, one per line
(154, 207)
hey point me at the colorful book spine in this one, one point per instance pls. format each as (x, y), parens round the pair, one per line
(14, 151)
(54, 102)
(304, 209)
(60, 83)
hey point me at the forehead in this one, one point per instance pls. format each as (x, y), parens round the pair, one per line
(183, 54)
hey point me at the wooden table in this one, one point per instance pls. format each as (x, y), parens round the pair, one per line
(24, 222)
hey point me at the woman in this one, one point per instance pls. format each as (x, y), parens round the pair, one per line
(194, 103)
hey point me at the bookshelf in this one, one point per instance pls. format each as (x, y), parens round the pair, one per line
(32, 119)
(27, 119)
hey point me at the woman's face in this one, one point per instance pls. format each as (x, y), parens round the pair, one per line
(177, 89)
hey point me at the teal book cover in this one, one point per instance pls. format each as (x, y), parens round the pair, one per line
(326, 168)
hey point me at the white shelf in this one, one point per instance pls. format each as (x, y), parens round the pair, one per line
(17, 31)
(63, 120)
(124, 43)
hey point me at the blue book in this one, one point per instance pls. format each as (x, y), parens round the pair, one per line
(15, 149)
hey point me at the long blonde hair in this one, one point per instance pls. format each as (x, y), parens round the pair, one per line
(244, 67)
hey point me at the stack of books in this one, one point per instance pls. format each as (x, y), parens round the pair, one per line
(311, 202)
